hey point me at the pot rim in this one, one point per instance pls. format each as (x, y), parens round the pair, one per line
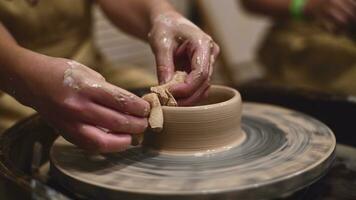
(236, 97)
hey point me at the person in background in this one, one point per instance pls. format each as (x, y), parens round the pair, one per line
(46, 49)
(311, 44)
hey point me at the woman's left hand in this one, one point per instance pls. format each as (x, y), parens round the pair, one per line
(178, 44)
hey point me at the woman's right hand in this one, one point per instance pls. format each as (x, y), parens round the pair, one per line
(334, 15)
(88, 111)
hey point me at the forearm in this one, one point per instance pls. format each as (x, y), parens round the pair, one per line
(17, 65)
(277, 8)
(134, 16)
(8, 68)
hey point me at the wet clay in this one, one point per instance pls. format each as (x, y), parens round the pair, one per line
(166, 98)
(213, 126)
(160, 96)
(155, 119)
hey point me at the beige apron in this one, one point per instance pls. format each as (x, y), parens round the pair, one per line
(60, 28)
(300, 54)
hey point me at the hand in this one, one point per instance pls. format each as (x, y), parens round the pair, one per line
(180, 45)
(87, 110)
(335, 15)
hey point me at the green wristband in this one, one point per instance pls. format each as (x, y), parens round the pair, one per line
(297, 9)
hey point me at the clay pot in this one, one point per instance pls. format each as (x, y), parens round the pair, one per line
(214, 125)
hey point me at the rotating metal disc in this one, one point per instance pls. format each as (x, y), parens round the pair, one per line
(284, 151)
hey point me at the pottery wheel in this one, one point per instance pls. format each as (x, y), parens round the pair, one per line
(283, 151)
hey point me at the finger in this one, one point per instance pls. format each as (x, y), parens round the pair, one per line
(216, 50)
(182, 49)
(326, 23)
(339, 19)
(347, 9)
(93, 139)
(116, 122)
(213, 57)
(118, 99)
(353, 6)
(198, 96)
(206, 94)
(199, 73)
(163, 50)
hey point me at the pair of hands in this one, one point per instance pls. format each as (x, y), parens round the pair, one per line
(334, 15)
(100, 117)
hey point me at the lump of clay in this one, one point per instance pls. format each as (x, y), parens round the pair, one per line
(155, 119)
(160, 96)
(165, 97)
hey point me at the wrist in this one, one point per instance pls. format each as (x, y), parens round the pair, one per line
(22, 68)
(161, 8)
(10, 70)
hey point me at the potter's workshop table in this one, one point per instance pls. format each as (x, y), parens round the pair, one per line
(24, 148)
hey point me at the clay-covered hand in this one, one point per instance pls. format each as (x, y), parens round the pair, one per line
(87, 110)
(178, 44)
(335, 15)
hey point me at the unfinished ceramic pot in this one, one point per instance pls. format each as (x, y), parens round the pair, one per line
(214, 125)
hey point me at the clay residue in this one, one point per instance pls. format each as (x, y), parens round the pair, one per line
(76, 76)
(155, 119)
(68, 79)
(172, 20)
(80, 78)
